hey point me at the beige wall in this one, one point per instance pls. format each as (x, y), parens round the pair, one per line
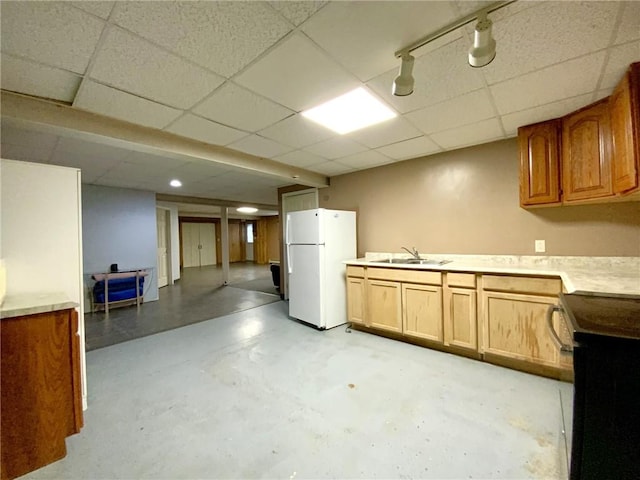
(466, 202)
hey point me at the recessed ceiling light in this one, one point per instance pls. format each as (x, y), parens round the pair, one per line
(351, 111)
(175, 183)
(246, 209)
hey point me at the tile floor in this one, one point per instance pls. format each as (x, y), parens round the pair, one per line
(198, 295)
(256, 394)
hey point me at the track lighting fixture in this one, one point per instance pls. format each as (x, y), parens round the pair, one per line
(481, 53)
(484, 46)
(403, 84)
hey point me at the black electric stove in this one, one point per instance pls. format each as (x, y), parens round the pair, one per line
(606, 405)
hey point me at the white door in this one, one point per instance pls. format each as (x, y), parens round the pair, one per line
(163, 267)
(207, 244)
(190, 242)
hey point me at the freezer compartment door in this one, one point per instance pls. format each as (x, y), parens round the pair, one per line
(304, 227)
(305, 283)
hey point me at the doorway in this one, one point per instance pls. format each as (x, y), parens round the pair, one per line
(162, 225)
(198, 242)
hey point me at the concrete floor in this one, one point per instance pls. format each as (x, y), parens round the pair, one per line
(198, 295)
(258, 395)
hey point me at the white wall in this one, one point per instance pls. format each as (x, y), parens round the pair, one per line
(41, 234)
(119, 226)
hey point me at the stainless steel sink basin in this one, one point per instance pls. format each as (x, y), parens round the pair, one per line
(413, 261)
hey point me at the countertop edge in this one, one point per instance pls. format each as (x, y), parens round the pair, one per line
(34, 303)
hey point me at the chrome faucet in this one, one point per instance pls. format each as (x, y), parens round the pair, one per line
(414, 254)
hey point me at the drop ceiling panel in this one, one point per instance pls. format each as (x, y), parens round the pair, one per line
(549, 33)
(363, 36)
(331, 168)
(53, 33)
(24, 153)
(260, 146)
(100, 9)
(137, 172)
(239, 108)
(297, 12)
(478, 133)
(548, 85)
(512, 121)
(108, 101)
(297, 132)
(36, 79)
(130, 63)
(336, 147)
(618, 62)
(300, 158)
(199, 170)
(391, 131)
(222, 36)
(368, 159)
(155, 161)
(463, 110)
(439, 75)
(416, 147)
(204, 130)
(297, 74)
(629, 28)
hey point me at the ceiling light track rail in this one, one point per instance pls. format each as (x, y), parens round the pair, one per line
(451, 27)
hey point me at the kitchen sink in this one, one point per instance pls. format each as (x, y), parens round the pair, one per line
(413, 261)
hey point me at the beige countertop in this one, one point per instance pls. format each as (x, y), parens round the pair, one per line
(591, 274)
(33, 303)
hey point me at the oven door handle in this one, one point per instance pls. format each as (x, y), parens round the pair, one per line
(566, 349)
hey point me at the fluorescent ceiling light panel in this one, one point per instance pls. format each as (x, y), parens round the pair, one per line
(246, 209)
(350, 112)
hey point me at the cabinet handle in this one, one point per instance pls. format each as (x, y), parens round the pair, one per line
(554, 335)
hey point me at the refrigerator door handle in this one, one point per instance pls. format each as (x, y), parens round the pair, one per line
(289, 267)
(286, 231)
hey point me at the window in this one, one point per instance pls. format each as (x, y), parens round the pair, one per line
(249, 232)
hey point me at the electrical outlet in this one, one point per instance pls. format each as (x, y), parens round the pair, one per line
(540, 246)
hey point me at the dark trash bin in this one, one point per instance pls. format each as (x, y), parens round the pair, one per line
(275, 274)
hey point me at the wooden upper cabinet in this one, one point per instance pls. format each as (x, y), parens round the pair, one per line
(624, 111)
(539, 163)
(586, 153)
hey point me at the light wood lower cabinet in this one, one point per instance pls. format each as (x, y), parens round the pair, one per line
(514, 319)
(422, 311)
(384, 305)
(484, 316)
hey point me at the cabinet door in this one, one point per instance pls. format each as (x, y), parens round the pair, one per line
(539, 163)
(586, 153)
(460, 319)
(422, 311)
(384, 306)
(355, 300)
(515, 327)
(624, 112)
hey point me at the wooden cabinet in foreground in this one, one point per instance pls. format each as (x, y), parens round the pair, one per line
(41, 393)
(514, 319)
(624, 109)
(460, 311)
(422, 311)
(539, 146)
(356, 295)
(591, 155)
(586, 153)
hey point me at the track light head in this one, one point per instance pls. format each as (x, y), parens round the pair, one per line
(403, 84)
(484, 46)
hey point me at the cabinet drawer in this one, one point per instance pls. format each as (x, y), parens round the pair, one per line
(353, 271)
(467, 280)
(400, 275)
(540, 285)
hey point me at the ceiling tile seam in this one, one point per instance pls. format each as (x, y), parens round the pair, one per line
(92, 61)
(93, 14)
(611, 43)
(425, 134)
(167, 50)
(41, 64)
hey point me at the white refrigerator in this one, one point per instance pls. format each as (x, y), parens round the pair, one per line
(318, 242)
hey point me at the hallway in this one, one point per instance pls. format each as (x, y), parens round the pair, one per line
(199, 295)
